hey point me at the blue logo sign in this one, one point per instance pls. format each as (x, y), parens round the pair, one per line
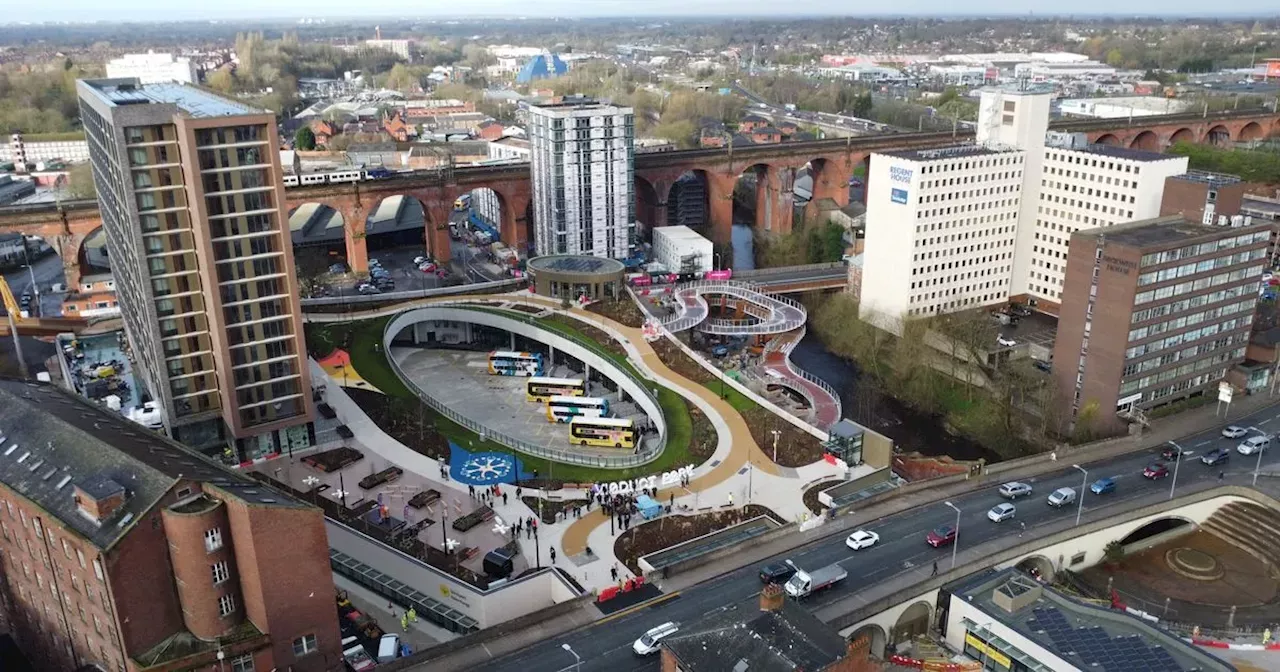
(898, 174)
(485, 468)
(898, 195)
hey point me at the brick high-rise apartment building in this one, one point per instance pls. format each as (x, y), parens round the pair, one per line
(125, 550)
(1153, 311)
(191, 198)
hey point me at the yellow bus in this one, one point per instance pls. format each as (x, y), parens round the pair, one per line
(540, 388)
(614, 432)
(564, 409)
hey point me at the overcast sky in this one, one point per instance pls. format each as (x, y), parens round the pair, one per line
(160, 10)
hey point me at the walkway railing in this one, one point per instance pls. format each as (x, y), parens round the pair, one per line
(779, 307)
(495, 286)
(764, 273)
(786, 358)
(649, 450)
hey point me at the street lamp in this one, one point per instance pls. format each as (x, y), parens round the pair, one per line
(776, 434)
(1261, 449)
(1083, 480)
(577, 665)
(955, 545)
(1177, 460)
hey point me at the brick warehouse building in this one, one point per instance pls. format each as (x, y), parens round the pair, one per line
(1153, 311)
(122, 550)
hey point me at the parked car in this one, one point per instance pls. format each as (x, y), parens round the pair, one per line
(778, 572)
(1253, 444)
(1006, 342)
(942, 536)
(1216, 456)
(862, 539)
(1062, 497)
(1155, 470)
(419, 260)
(1234, 431)
(1043, 365)
(337, 268)
(1000, 512)
(1015, 489)
(650, 640)
(367, 288)
(1102, 486)
(427, 267)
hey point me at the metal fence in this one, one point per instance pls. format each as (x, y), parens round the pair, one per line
(786, 358)
(649, 450)
(764, 273)
(409, 294)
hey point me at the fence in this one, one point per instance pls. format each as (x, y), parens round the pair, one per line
(648, 452)
(481, 287)
(792, 313)
(764, 273)
(786, 358)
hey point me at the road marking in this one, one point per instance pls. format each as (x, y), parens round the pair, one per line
(1203, 443)
(637, 607)
(1266, 421)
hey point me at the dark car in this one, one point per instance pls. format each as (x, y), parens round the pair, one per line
(778, 572)
(1171, 453)
(1216, 456)
(943, 536)
(1154, 471)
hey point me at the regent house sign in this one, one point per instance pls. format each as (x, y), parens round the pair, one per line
(645, 482)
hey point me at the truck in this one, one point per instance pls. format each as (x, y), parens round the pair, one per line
(804, 583)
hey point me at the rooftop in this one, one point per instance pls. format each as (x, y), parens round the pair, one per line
(1126, 153)
(575, 263)
(51, 439)
(944, 153)
(1087, 637)
(1158, 232)
(1212, 179)
(745, 638)
(195, 102)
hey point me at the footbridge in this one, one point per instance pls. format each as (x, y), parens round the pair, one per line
(769, 314)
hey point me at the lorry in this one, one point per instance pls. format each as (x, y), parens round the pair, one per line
(804, 583)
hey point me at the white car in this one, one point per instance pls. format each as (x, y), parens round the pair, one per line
(649, 641)
(1006, 342)
(1001, 512)
(418, 260)
(1234, 431)
(1253, 444)
(862, 539)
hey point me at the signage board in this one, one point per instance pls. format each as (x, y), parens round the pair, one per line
(1225, 391)
(898, 195)
(900, 174)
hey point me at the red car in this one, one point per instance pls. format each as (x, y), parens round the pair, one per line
(943, 536)
(1154, 471)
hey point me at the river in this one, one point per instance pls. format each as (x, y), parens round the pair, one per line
(744, 251)
(910, 429)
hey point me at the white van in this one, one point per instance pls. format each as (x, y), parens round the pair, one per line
(1062, 496)
(388, 648)
(649, 641)
(1253, 444)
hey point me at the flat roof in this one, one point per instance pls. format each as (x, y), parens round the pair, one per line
(944, 153)
(1213, 179)
(1157, 232)
(194, 101)
(1088, 637)
(1124, 153)
(576, 263)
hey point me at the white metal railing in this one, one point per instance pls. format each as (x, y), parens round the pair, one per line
(786, 358)
(648, 451)
(482, 287)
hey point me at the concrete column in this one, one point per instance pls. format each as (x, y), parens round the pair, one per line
(586, 371)
(720, 206)
(353, 216)
(552, 348)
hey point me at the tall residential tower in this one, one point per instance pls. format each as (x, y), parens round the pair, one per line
(191, 198)
(582, 166)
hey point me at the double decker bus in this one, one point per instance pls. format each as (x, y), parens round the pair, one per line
(542, 389)
(614, 432)
(510, 363)
(564, 409)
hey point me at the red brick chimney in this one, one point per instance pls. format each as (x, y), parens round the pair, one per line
(771, 597)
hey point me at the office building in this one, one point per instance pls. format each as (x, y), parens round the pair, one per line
(582, 164)
(1208, 198)
(1008, 621)
(190, 195)
(1153, 311)
(401, 48)
(681, 250)
(123, 550)
(153, 68)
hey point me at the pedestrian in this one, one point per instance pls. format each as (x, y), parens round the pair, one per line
(1221, 475)
(613, 571)
(413, 615)
(672, 502)
(1022, 528)
(517, 492)
(553, 556)
(504, 499)
(528, 532)
(471, 490)
(935, 568)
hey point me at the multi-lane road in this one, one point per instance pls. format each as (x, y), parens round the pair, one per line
(902, 548)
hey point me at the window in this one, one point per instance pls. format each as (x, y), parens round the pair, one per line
(226, 605)
(304, 645)
(220, 572)
(97, 569)
(242, 663)
(213, 540)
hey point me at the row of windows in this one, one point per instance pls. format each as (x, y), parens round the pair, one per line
(1196, 285)
(1079, 159)
(968, 193)
(1203, 379)
(1087, 205)
(1184, 370)
(1193, 318)
(1187, 336)
(1174, 272)
(1193, 302)
(972, 164)
(971, 207)
(957, 304)
(1088, 221)
(926, 297)
(1186, 353)
(1205, 248)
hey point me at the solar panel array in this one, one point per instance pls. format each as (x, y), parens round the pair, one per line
(1099, 650)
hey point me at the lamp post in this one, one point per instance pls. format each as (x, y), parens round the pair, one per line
(776, 434)
(955, 545)
(1257, 467)
(1083, 481)
(577, 665)
(1177, 460)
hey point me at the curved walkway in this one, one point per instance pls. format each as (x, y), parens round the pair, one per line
(778, 314)
(827, 409)
(735, 448)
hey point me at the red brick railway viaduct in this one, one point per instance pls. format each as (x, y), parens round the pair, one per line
(832, 163)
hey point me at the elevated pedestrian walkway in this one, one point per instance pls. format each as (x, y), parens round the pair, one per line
(769, 314)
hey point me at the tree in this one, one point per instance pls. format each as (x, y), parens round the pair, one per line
(80, 184)
(1113, 552)
(862, 105)
(221, 80)
(402, 78)
(304, 139)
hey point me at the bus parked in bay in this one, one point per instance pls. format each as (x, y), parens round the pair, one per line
(542, 389)
(610, 432)
(512, 363)
(564, 409)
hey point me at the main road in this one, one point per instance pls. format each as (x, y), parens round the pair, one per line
(606, 646)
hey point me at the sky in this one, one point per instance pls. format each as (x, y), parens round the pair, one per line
(169, 10)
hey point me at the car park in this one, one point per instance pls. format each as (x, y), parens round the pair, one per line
(1253, 444)
(1000, 512)
(1102, 486)
(1015, 489)
(1234, 431)
(942, 536)
(650, 641)
(862, 539)
(1062, 497)
(1216, 456)
(778, 572)
(1155, 470)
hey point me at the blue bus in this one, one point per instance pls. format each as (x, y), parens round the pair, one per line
(511, 363)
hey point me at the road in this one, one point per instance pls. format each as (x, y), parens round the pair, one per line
(48, 271)
(902, 548)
